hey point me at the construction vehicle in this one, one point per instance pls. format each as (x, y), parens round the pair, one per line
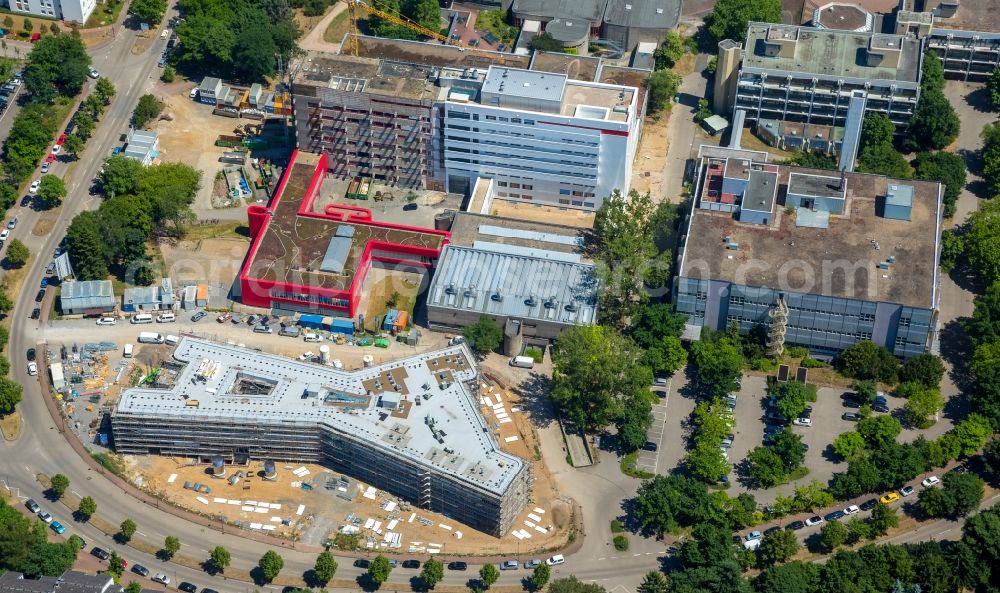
(402, 21)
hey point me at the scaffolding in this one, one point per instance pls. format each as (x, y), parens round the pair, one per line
(778, 315)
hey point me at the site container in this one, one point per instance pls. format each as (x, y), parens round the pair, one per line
(342, 325)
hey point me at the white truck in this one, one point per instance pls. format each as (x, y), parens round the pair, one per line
(150, 338)
(523, 362)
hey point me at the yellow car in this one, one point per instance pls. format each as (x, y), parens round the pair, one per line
(889, 498)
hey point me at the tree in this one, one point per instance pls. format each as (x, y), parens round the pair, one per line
(991, 461)
(811, 160)
(793, 577)
(87, 507)
(116, 565)
(127, 529)
(253, 54)
(270, 564)
(148, 109)
(933, 502)
(148, 11)
(121, 176)
(971, 434)
(877, 130)
(788, 447)
(17, 253)
(540, 576)
(666, 503)
(832, 535)
(86, 247)
(883, 518)
(73, 146)
(379, 569)
(571, 584)
(596, 371)
(947, 168)
(935, 124)
(666, 357)
(169, 74)
(791, 397)
(56, 64)
(926, 369)
(219, 558)
(993, 88)
(866, 360)
(10, 395)
(545, 42)
(432, 573)
(84, 125)
(133, 587)
(883, 159)
(634, 424)
(59, 484)
(653, 582)
(325, 568)
(488, 575)
(777, 547)
(48, 559)
(105, 89)
(28, 26)
(964, 492)
(848, 444)
(669, 51)
(719, 365)
(729, 18)
(51, 191)
(879, 431)
(765, 467)
(171, 545)
(922, 403)
(662, 86)
(484, 336)
(705, 462)
(655, 321)
(982, 241)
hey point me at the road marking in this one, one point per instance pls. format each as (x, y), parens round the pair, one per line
(75, 493)
(636, 555)
(141, 533)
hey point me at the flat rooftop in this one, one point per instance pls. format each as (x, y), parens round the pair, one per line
(591, 10)
(575, 67)
(837, 261)
(839, 54)
(643, 14)
(469, 228)
(367, 75)
(842, 17)
(631, 77)
(293, 246)
(973, 15)
(223, 382)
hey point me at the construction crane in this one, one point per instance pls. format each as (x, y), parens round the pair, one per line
(402, 21)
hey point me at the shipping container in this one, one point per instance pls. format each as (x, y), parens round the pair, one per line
(342, 325)
(311, 321)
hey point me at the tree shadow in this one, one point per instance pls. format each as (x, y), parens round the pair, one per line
(688, 100)
(210, 568)
(418, 584)
(979, 99)
(830, 455)
(367, 583)
(813, 544)
(258, 576)
(534, 392)
(956, 350)
(974, 163)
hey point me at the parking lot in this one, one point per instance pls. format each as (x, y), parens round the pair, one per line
(649, 461)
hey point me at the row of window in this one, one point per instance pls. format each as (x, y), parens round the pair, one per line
(508, 155)
(576, 193)
(475, 117)
(514, 185)
(309, 298)
(533, 146)
(504, 166)
(579, 203)
(518, 134)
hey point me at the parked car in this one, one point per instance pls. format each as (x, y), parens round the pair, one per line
(32, 368)
(802, 422)
(199, 316)
(140, 570)
(754, 535)
(224, 317)
(361, 563)
(411, 564)
(458, 566)
(869, 504)
(32, 505)
(647, 446)
(57, 527)
(906, 490)
(94, 73)
(161, 578)
(532, 564)
(30, 355)
(50, 268)
(116, 151)
(44, 516)
(851, 510)
(100, 553)
(814, 520)
(795, 525)
(45, 281)
(889, 498)
(772, 529)
(107, 321)
(930, 481)
(851, 416)
(36, 313)
(4, 235)
(555, 560)
(40, 296)
(34, 185)
(834, 515)
(263, 329)
(509, 565)
(12, 223)
(187, 587)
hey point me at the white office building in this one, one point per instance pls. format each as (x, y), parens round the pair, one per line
(540, 137)
(76, 11)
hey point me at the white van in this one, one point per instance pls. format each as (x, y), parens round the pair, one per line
(523, 362)
(142, 318)
(127, 353)
(150, 338)
(172, 340)
(557, 559)
(165, 318)
(311, 337)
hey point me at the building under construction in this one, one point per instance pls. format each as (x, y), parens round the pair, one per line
(373, 118)
(412, 427)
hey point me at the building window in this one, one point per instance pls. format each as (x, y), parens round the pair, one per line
(491, 118)
(564, 192)
(515, 120)
(515, 186)
(564, 201)
(529, 122)
(526, 186)
(502, 183)
(458, 115)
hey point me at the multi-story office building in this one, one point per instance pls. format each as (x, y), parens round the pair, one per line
(965, 35)
(809, 75)
(75, 11)
(821, 259)
(411, 427)
(541, 137)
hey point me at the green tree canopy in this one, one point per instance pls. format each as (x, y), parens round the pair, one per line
(884, 159)
(662, 86)
(49, 559)
(765, 468)
(148, 109)
(58, 484)
(171, 545)
(832, 535)
(947, 168)
(73, 146)
(777, 547)
(545, 42)
(10, 395)
(993, 88)
(57, 64)
(729, 18)
(488, 574)
(219, 558)
(935, 124)
(432, 573)
(127, 529)
(571, 584)
(51, 191)
(87, 507)
(325, 568)
(848, 444)
(379, 569)
(596, 371)
(653, 582)
(666, 503)
(719, 365)
(655, 321)
(270, 564)
(484, 336)
(866, 360)
(877, 130)
(982, 242)
(792, 397)
(148, 11)
(540, 576)
(926, 369)
(17, 253)
(879, 431)
(671, 49)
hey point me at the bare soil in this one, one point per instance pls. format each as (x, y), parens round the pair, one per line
(537, 213)
(204, 260)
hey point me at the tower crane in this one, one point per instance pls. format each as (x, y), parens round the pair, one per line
(402, 21)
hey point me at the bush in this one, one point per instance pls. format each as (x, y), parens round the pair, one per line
(866, 360)
(169, 74)
(535, 354)
(621, 543)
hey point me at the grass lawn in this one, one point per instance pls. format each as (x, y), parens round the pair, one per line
(629, 467)
(10, 425)
(105, 13)
(338, 27)
(226, 230)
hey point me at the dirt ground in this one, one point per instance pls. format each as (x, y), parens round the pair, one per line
(324, 512)
(205, 260)
(651, 157)
(381, 283)
(536, 213)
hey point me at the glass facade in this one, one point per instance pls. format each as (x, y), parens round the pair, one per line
(826, 325)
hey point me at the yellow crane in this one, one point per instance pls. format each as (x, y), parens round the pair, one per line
(402, 21)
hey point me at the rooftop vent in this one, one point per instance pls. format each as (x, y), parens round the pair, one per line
(571, 308)
(628, 7)
(496, 297)
(659, 11)
(531, 302)
(450, 289)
